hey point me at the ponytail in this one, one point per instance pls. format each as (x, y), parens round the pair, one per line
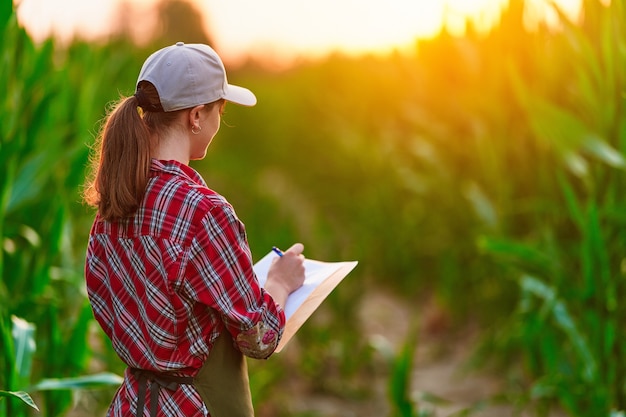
(120, 165)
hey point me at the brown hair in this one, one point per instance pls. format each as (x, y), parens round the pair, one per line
(120, 164)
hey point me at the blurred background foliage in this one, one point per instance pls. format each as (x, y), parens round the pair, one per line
(482, 175)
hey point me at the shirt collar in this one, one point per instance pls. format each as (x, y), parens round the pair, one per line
(176, 168)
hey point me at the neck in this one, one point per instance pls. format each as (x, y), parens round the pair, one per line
(172, 147)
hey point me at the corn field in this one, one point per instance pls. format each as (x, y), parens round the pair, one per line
(484, 171)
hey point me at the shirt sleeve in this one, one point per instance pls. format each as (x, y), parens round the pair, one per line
(220, 275)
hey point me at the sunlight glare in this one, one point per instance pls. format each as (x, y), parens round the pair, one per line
(483, 13)
(285, 28)
(352, 26)
(542, 11)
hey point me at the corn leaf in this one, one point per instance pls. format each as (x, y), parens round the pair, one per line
(587, 361)
(24, 345)
(101, 380)
(21, 395)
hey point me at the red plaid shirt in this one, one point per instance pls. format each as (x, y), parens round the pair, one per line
(164, 283)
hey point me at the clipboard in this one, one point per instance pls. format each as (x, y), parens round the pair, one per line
(320, 279)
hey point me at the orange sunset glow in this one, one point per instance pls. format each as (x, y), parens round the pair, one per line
(283, 28)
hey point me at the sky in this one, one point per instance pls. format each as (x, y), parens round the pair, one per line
(287, 28)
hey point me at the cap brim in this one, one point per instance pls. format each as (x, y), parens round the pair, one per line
(240, 95)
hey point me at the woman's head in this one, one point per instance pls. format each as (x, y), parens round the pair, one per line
(187, 75)
(181, 89)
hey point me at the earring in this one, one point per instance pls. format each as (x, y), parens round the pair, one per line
(195, 132)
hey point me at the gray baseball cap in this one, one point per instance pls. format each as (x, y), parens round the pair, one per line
(187, 75)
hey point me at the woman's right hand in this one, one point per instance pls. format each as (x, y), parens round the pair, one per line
(286, 274)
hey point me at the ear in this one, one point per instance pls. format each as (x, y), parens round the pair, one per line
(194, 115)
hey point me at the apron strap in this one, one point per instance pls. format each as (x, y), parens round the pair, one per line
(157, 380)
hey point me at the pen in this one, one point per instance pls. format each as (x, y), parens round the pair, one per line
(277, 251)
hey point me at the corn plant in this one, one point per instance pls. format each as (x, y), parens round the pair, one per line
(487, 170)
(44, 315)
(404, 401)
(567, 324)
(23, 344)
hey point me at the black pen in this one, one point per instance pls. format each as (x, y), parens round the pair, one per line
(277, 251)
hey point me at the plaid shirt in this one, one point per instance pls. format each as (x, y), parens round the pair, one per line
(165, 282)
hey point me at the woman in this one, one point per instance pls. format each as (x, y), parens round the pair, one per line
(168, 268)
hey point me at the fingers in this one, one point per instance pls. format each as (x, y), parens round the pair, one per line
(296, 248)
(287, 271)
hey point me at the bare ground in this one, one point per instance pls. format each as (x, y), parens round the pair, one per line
(439, 367)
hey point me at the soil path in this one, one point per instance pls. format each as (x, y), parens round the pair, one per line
(439, 366)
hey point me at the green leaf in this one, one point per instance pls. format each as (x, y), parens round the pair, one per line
(576, 164)
(6, 10)
(603, 151)
(78, 352)
(572, 202)
(29, 182)
(522, 254)
(481, 203)
(101, 380)
(20, 395)
(24, 343)
(400, 380)
(564, 320)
